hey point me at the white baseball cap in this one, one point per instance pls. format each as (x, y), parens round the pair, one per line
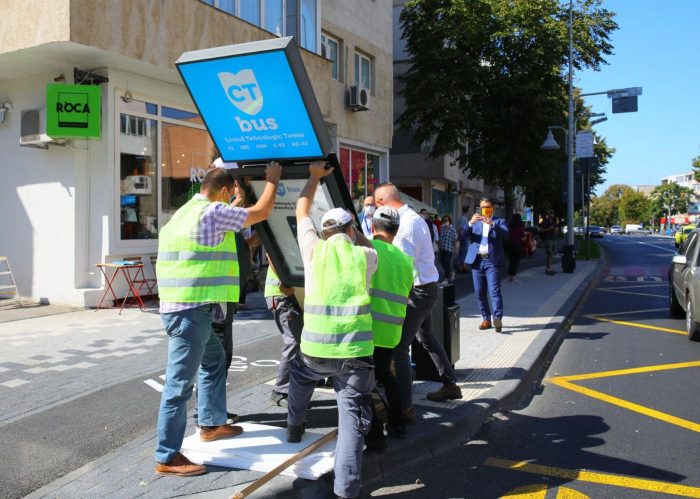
(335, 217)
(220, 163)
(387, 214)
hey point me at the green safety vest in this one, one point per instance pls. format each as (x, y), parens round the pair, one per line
(389, 291)
(189, 272)
(272, 284)
(337, 320)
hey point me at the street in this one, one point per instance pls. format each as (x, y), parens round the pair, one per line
(616, 414)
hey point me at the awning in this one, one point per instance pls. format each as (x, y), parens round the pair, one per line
(416, 205)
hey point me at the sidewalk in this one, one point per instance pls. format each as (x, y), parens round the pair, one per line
(496, 371)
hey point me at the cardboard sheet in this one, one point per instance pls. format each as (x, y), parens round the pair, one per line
(261, 448)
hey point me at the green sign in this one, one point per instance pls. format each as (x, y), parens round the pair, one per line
(72, 110)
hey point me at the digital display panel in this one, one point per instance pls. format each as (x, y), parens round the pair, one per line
(256, 101)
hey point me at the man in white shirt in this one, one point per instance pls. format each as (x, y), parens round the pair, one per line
(413, 237)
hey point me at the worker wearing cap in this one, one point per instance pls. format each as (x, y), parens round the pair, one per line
(337, 336)
(197, 272)
(389, 291)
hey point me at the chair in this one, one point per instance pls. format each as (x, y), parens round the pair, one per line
(141, 282)
(154, 260)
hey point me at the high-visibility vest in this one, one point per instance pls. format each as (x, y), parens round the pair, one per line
(189, 272)
(391, 284)
(337, 320)
(272, 284)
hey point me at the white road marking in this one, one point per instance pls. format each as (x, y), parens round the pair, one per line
(154, 384)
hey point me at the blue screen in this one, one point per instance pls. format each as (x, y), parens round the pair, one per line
(252, 107)
(128, 200)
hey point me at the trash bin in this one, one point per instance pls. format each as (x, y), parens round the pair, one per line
(568, 258)
(445, 326)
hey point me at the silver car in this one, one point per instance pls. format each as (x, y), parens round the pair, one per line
(684, 284)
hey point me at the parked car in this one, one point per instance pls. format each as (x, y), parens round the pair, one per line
(615, 229)
(682, 234)
(636, 229)
(684, 284)
(595, 231)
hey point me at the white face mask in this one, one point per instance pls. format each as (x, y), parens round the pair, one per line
(369, 210)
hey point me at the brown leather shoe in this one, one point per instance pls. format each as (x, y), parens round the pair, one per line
(498, 324)
(409, 415)
(211, 433)
(180, 466)
(485, 325)
(447, 392)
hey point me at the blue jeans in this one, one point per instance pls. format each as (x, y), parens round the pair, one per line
(353, 380)
(487, 278)
(193, 348)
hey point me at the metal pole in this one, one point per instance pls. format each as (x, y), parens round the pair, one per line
(570, 136)
(587, 198)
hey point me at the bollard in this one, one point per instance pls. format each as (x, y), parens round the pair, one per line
(568, 258)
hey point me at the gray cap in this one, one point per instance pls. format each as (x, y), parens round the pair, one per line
(387, 214)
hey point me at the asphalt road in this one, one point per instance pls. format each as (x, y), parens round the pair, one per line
(69, 435)
(630, 419)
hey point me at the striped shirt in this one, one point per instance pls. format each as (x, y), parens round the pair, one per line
(217, 219)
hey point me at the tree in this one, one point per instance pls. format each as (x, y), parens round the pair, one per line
(605, 209)
(696, 168)
(485, 79)
(669, 199)
(634, 207)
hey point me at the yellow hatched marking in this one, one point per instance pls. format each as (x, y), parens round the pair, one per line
(594, 477)
(566, 382)
(630, 312)
(534, 491)
(636, 324)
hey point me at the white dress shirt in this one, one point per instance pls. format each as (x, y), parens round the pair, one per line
(484, 245)
(413, 237)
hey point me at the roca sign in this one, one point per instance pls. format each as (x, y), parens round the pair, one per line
(72, 111)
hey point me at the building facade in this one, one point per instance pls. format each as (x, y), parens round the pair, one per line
(73, 204)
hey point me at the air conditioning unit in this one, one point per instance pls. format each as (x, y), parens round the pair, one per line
(359, 98)
(137, 184)
(33, 129)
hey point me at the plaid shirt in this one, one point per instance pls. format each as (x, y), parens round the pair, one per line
(447, 238)
(217, 219)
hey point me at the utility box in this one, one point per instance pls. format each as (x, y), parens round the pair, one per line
(445, 326)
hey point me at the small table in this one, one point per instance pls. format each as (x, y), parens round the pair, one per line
(124, 269)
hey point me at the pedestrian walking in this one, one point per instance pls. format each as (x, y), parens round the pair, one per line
(289, 320)
(413, 237)
(486, 256)
(514, 246)
(389, 291)
(197, 272)
(337, 336)
(462, 227)
(548, 230)
(448, 238)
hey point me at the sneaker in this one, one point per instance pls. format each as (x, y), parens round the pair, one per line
(447, 392)
(498, 324)
(409, 415)
(231, 418)
(397, 431)
(280, 399)
(212, 433)
(294, 433)
(180, 466)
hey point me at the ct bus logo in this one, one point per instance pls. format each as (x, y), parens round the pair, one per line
(243, 91)
(281, 190)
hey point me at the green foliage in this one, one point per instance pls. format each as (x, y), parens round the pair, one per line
(486, 77)
(605, 209)
(669, 199)
(634, 207)
(696, 168)
(593, 249)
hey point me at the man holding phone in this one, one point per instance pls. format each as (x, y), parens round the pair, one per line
(485, 254)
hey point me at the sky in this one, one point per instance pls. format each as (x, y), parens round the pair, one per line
(657, 47)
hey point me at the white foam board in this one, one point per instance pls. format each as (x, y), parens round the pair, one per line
(261, 448)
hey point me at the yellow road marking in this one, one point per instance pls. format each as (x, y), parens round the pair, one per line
(534, 491)
(630, 293)
(637, 324)
(594, 477)
(566, 382)
(630, 312)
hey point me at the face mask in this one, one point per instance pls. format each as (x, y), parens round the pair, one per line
(487, 211)
(369, 210)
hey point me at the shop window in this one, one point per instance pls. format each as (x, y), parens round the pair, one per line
(358, 170)
(137, 173)
(330, 50)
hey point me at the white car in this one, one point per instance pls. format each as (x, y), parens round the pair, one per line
(615, 229)
(636, 229)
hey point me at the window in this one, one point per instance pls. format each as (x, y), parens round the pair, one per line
(249, 10)
(330, 50)
(274, 11)
(358, 170)
(363, 70)
(164, 153)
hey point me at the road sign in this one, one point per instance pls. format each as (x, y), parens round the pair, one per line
(624, 104)
(584, 145)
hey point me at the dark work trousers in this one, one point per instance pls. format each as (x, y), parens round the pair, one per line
(290, 321)
(515, 254)
(418, 323)
(382, 372)
(446, 262)
(353, 380)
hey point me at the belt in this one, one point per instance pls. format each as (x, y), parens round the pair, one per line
(423, 286)
(484, 256)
